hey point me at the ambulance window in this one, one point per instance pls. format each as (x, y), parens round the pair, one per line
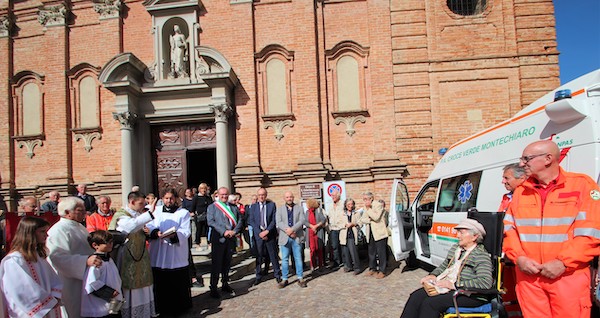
(426, 200)
(459, 194)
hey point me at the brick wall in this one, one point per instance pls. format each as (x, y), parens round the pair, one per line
(433, 77)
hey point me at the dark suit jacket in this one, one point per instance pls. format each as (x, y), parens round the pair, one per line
(220, 223)
(90, 202)
(254, 218)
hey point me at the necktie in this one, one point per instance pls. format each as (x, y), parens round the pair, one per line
(263, 217)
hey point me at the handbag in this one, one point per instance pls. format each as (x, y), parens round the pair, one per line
(202, 217)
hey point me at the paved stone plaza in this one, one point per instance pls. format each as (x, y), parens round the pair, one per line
(329, 294)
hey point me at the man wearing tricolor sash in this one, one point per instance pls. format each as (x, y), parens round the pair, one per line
(226, 222)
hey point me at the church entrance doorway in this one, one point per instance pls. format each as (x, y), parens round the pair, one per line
(184, 156)
(202, 167)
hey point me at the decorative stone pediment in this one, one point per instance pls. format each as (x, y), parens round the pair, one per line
(108, 9)
(124, 72)
(55, 15)
(212, 64)
(154, 5)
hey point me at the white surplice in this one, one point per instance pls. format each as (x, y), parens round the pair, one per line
(29, 289)
(69, 251)
(96, 278)
(164, 254)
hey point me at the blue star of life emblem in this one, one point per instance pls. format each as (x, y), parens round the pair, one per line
(464, 192)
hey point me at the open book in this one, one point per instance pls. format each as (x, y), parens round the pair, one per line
(169, 231)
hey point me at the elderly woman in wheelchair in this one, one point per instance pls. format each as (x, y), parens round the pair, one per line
(468, 265)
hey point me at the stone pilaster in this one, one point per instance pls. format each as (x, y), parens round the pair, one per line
(222, 113)
(7, 167)
(127, 122)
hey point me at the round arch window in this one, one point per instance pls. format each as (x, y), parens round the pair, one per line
(467, 7)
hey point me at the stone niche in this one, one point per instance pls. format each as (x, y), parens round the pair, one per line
(176, 31)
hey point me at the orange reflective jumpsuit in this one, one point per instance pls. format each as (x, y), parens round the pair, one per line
(560, 222)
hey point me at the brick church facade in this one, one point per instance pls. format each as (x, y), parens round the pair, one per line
(250, 93)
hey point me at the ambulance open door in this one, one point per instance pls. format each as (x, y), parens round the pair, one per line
(401, 221)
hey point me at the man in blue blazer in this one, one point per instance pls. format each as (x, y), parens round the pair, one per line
(226, 222)
(263, 222)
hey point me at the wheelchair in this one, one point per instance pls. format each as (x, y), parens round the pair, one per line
(492, 222)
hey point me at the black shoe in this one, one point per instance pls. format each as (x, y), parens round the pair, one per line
(198, 284)
(302, 283)
(282, 284)
(215, 294)
(227, 289)
(346, 269)
(278, 279)
(256, 282)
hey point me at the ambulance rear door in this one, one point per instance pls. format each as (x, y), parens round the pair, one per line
(401, 221)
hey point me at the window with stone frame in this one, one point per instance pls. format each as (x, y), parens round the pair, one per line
(275, 67)
(347, 68)
(467, 7)
(86, 123)
(85, 97)
(28, 105)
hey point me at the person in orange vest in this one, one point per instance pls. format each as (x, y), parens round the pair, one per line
(551, 233)
(512, 177)
(100, 220)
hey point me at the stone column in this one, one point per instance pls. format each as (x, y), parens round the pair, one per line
(222, 112)
(127, 120)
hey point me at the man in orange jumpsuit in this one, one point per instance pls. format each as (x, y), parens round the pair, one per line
(551, 232)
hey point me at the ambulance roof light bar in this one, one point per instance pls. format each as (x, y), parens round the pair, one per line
(565, 109)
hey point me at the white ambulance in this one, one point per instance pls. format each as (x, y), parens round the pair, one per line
(469, 174)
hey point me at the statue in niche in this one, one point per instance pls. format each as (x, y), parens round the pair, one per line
(179, 53)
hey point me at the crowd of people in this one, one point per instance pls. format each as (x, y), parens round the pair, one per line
(136, 261)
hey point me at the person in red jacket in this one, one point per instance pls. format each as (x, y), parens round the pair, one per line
(551, 233)
(100, 220)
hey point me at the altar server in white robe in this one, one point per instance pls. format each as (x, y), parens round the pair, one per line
(70, 253)
(133, 259)
(28, 284)
(169, 256)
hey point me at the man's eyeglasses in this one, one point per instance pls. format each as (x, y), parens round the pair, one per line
(526, 159)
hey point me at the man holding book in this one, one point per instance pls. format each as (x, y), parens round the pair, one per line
(169, 247)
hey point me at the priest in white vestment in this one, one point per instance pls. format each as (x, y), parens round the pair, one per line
(169, 233)
(133, 258)
(70, 253)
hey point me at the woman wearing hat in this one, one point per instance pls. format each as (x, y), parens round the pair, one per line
(468, 265)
